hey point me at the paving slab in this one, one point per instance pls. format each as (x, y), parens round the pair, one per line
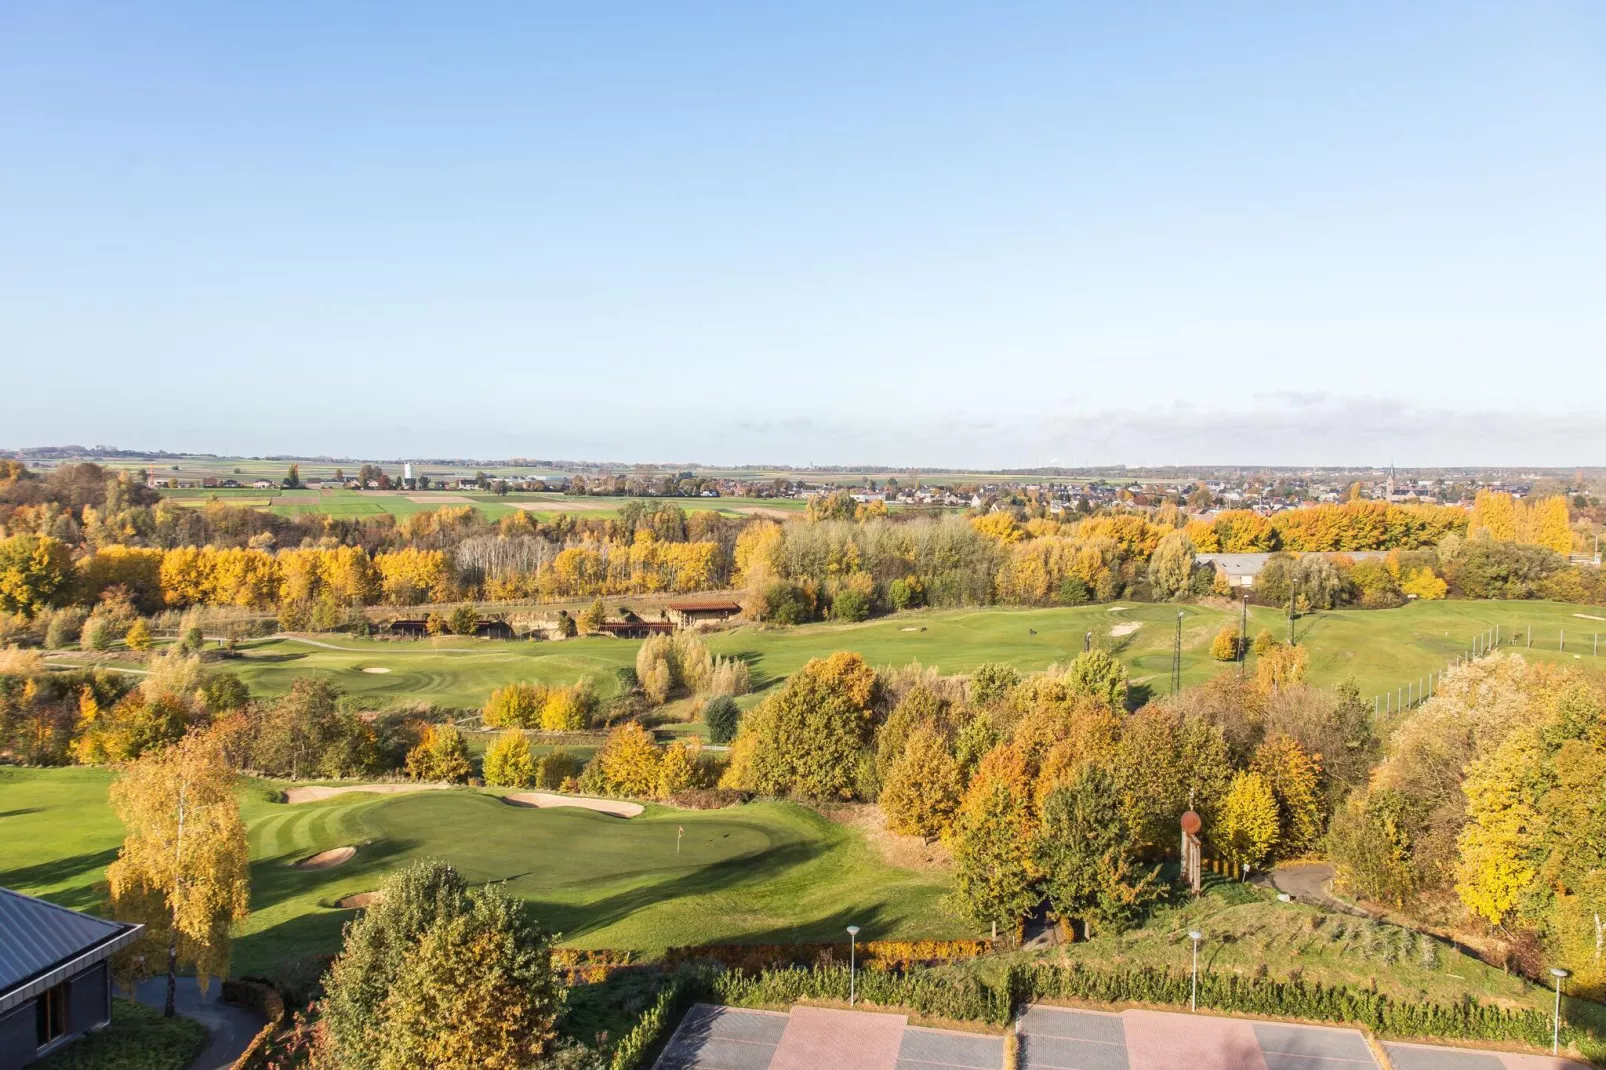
(820, 1038)
(935, 1049)
(1429, 1057)
(1311, 1047)
(1159, 1040)
(723, 1038)
(1055, 1038)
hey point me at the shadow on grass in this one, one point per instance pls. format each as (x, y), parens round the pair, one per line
(63, 871)
(577, 919)
(275, 880)
(23, 812)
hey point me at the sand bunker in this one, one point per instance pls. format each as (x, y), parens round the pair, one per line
(360, 900)
(1589, 616)
(375, 669)
(1126, 629)
(313, 794)
(1115, 609)
(915, 629)
(327, 859)
(547, 799)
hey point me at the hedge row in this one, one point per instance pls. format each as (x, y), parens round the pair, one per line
(922, 991)
(1464, 1020)
(872, 954)
(637, 1048)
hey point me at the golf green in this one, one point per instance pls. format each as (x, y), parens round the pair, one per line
(765, 872)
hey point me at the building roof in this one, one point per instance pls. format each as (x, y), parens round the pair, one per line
(41, 939)
(1251, 564)
(706, 605)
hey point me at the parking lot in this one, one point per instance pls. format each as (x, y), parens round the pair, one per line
(1051, 1038)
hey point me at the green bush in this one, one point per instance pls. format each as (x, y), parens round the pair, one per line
(926, 992)
(722, 716)
(851, 606)
(637, 1048)
(139, 1038)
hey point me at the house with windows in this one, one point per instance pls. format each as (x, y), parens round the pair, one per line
(55, 980)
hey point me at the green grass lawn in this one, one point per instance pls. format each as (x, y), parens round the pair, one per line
(139, 1038)
(766, 872)
(1379, 649)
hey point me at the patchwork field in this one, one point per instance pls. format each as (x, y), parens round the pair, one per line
(352, 503)
(763, 872)
(1381, 650)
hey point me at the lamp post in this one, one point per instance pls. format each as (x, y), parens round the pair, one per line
(853, 965)
(1193, 989)
(1555, 1030)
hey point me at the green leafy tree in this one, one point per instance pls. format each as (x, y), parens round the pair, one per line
(462, 620)
(595, 616)
(1098, 675)
(807, 739)
(850, 605)
(1087, 852)
(722, 716)
(992, 682)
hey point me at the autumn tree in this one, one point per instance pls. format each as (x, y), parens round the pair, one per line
(441, 756)
(1171, 567)
(1088, 855)
(922, 787)
(992, 844)
(35, 571)
(182, 871)
(434, 974)
(1295, 778)
(1224, 647)
(1099, 675)
(508, 762)
(808, 739)
(625, 764)
(1246, 830)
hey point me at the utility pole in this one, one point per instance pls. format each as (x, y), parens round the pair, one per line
(1176, 657)
(1243, 633)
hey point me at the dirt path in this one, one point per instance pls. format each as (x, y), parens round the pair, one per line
(1308, 883)
(546, 799)
(317, 792)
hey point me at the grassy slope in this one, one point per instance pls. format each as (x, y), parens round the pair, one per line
(764, 872)
(1379, 649)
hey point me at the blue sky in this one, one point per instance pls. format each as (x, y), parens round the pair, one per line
(920, 234)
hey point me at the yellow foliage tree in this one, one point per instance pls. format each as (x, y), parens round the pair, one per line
(1422, 583)
(508, 762)
(1224, 647)
(1246, 831)
(182, 870)
(923, 786)
(628, 762)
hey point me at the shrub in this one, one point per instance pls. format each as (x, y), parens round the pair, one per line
(851, 606)
(64, 628)
(787, 603)
(907, 593)
(441, 756)
(556, 766)
(722, 717)
(508, 763)
(463, 620)
(1224, 647)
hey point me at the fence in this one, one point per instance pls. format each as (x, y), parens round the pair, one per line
(1412, 694)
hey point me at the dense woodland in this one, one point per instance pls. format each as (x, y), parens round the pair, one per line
(82, 546)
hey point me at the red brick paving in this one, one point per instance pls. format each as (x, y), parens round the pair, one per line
(820, 1039)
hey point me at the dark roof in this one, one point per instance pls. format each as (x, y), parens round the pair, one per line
(40, 937)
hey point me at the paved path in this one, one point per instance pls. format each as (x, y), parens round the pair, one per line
(1309, 882)
(1051, 1038)
(231, 1027)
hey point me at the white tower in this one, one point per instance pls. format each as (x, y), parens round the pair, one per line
(407, 473)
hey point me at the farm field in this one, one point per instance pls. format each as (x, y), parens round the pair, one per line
(353, 503)
(765, 872)
(1380, 650)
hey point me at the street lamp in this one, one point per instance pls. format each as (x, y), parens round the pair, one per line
(1193, 990)
(1555, 1032)
(853, 941)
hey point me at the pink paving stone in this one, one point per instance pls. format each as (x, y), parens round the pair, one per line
(820, 1039)
(1156, 1040)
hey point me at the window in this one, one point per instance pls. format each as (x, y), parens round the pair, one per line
(51, 1012)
